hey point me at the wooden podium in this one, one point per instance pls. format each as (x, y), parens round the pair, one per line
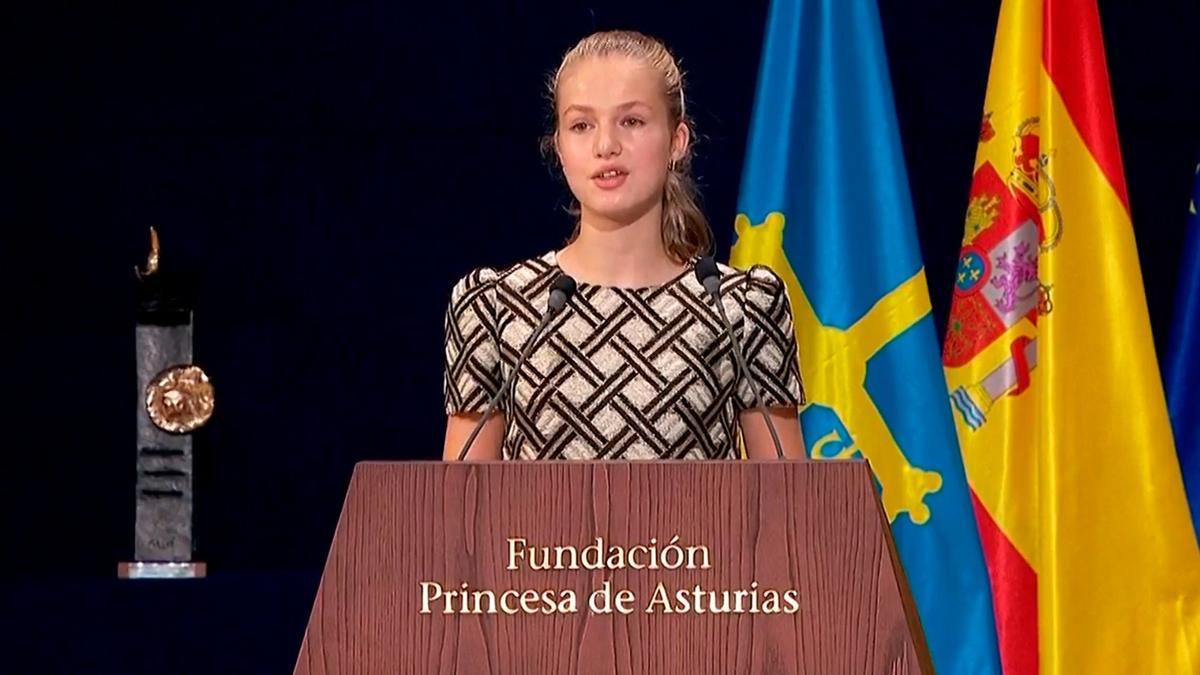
(815, 528)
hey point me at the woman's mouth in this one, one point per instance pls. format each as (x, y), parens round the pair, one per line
(610, 179)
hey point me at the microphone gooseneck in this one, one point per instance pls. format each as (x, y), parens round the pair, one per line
(709, 276)
(561, 290)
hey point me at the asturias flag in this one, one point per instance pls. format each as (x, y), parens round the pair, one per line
(825, 203)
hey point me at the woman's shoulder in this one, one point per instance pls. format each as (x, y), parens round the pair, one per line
(518, 275)
(753, 278)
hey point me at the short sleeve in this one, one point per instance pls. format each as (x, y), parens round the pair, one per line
(472, 366)
(769, 343)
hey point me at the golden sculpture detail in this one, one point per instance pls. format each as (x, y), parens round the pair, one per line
(180, 399)
(151, 258)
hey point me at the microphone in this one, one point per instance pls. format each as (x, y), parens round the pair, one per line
(561, 290)
(710, 278)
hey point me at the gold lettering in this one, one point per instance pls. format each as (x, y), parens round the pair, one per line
(660, 597)
(770, 601)
(792, 599)
(560, 552)
(514, 552)
(592, 555)
(426, 598)
(505, 603)
(527, 600)
(624, 600)
(633, 564)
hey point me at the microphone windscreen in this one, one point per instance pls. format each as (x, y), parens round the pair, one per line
(561, 290)
(709, 275)
(565, 284)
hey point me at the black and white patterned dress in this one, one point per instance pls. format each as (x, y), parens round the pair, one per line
(642, 373)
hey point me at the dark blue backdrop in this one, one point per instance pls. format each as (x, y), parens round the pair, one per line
(326, 171)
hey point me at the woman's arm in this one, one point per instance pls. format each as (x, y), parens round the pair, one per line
(486, 445)
(758, 437)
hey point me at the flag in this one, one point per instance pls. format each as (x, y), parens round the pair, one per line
(1183, 362)
(825, 203)
(1050, 362)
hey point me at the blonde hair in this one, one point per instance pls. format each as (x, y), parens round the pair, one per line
(685, 230)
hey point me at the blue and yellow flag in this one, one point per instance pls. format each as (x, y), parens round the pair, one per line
(825, 203)
(1183, 362)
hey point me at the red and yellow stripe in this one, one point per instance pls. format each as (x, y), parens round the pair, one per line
(1078, 492)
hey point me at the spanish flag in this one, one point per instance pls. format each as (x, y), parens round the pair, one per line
(1051, 367)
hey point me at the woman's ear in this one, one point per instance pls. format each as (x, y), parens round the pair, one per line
(681, 141)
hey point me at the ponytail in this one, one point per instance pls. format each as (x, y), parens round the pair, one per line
(685, 231)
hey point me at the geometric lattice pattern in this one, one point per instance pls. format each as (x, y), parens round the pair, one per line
(641, 373)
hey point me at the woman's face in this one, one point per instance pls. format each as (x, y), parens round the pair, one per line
(615, 139)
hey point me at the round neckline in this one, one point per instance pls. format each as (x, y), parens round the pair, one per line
(553, 260)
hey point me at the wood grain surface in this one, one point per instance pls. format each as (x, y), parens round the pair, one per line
(815, 527)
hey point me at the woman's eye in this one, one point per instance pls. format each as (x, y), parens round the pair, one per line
(579, 126)
(632, 122)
